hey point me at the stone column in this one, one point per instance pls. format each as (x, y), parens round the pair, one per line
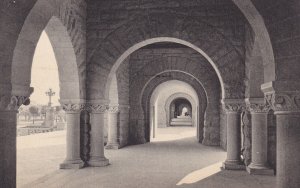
(259, 119)
(284, 99)
(9, 106)
(113, 136)
(233, 115)
(97, 158)
(73, 160)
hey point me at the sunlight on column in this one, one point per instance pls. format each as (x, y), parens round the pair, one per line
(201, 174)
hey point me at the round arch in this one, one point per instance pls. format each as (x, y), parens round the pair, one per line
(195, 111)
(64, 53)
(201, 37)
(257, 23)
(37, 21)
(159, 98)
(208, 110)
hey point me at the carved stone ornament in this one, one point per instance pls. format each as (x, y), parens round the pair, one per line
(10, 103)
(72, 107)
(97, 108)
(113, 109)
(284, 101)
(234, 107)
(258, 107)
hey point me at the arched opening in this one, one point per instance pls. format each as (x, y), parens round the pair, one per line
(181, 126)
(159, 40)
(180, 113)
(49, 65)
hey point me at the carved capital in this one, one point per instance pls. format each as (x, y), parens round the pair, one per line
(72, 107)
(284, 101)
(234, 107)
(258, 108)
(96, 108)
(12, 103)
(257, 105)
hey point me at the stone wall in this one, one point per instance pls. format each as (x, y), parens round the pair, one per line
(282, 21)
(115, 26)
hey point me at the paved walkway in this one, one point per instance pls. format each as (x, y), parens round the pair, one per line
(173, 163)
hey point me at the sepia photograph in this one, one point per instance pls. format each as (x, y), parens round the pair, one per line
(149, 94)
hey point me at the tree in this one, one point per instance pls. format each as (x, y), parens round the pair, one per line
(33, 111)
(43, 111)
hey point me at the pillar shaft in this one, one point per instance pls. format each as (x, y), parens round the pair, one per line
(259, 157)
(113, 141)
(233, 138)
(73, 159)
(97, 157)
(8, 125)
(288, 150)
(233, 160)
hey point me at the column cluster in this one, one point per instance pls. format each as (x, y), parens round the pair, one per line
(258, 109)
(96, 155)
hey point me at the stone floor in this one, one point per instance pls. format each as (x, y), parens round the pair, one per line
(168, 163)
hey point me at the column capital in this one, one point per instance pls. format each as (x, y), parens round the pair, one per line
(257, 105)
(13, 102)
(282, 97)
(72, 107)
(233, 105)
(96, 108)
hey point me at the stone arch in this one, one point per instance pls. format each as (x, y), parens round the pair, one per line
(188, 98)
(262, 36)
(203, 38)
(62, 42)
(210, 135)
(158, 98)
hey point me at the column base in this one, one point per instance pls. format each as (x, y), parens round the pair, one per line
(260, 170)
(233, 165)
(98, 162)
(112, 146)
(74, 164)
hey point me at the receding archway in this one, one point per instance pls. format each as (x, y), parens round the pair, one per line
(160, 99)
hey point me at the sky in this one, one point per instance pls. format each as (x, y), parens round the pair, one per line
(44, 73)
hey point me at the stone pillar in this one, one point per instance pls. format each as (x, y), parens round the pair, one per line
(97, 158)
(233, 114)
(73, 160)
(9, 106)
(284, 99)
(113, 136)
(259, 119)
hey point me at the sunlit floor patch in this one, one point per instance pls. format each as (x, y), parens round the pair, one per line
(201, 174)
(174, 133)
